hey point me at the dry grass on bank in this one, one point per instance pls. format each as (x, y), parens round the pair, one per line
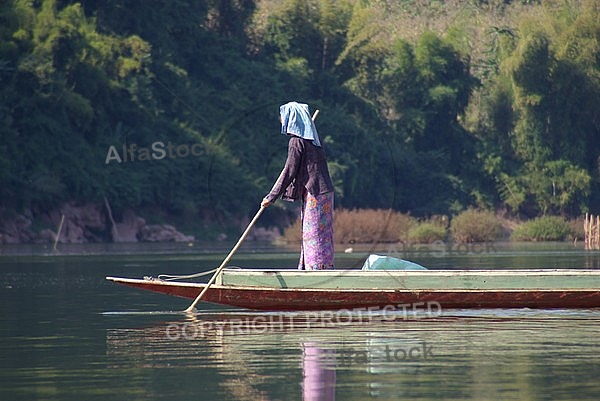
(362, 226)
(475, 226)
(367, 226)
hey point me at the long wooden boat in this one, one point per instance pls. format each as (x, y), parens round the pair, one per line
(294, 290)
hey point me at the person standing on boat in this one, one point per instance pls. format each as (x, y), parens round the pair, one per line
(305, 176)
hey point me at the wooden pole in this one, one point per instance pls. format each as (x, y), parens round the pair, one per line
(113, 231)
(235, 248)
(62, 220)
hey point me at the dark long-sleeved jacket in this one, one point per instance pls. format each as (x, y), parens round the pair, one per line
(305, 167)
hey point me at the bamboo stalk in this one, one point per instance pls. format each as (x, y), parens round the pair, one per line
(591, 230)
(588, 233)
(585, 231)
(597, 234)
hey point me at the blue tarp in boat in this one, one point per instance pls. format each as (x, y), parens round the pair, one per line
(378, 262)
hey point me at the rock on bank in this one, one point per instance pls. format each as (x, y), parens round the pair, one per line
(83, 223)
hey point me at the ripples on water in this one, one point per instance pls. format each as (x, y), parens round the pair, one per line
(462, 354)
(67, 334)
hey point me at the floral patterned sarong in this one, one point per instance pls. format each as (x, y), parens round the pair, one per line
(316, 252)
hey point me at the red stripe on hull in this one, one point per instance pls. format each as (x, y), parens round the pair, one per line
(295, 300)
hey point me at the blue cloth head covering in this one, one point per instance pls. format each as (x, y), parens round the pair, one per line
(296, 120)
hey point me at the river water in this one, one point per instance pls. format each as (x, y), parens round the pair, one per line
(68, 334)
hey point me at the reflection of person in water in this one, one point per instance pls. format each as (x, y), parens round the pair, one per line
(318, 367)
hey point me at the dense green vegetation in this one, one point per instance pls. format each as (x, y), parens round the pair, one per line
(544, 228)
(428, 109)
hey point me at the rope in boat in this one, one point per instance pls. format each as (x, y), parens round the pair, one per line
(175, 277)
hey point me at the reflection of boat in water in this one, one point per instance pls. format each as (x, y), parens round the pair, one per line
(281, 290)
(247, 357)
(226, 353)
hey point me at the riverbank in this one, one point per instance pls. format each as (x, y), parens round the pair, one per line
(95, 223)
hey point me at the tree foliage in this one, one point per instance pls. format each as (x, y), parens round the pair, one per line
(420, 120)
(553, 94)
